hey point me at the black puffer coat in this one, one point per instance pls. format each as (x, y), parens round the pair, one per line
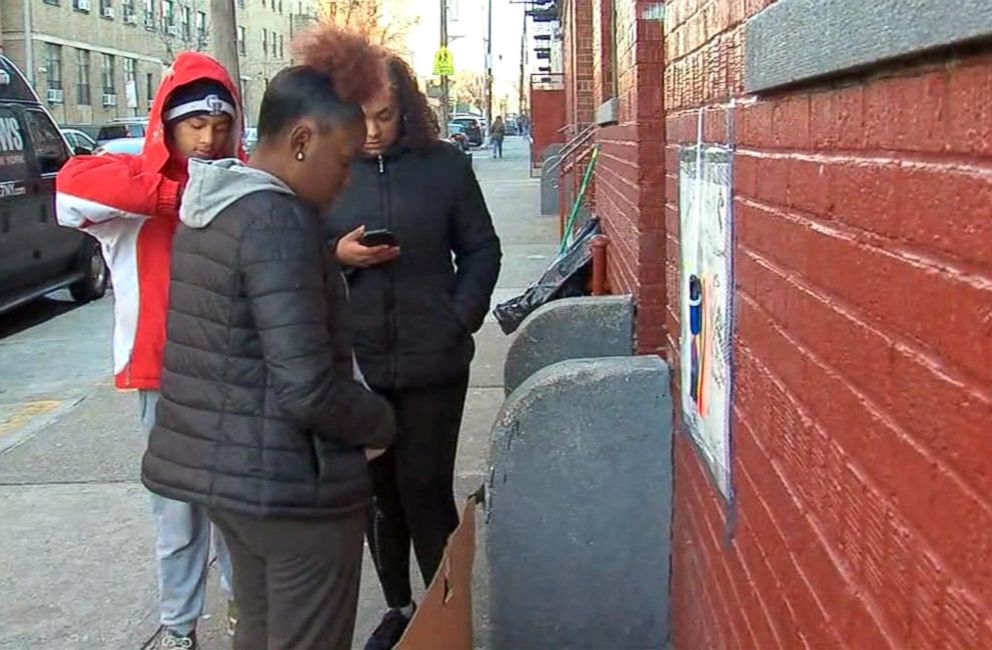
(414, 317)
(260, 412)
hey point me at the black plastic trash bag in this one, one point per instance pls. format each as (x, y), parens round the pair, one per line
(566, 277)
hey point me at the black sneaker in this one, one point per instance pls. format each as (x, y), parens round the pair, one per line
(174, 641)
(389, 632)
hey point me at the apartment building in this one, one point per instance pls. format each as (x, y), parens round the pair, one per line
(92, 60)
(265, 32)
(96, 60)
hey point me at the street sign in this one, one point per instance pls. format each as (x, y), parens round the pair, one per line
(444, 63)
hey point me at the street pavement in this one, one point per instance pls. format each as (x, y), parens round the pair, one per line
(77, 566)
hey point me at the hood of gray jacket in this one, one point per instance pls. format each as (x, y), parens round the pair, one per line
(215, 184)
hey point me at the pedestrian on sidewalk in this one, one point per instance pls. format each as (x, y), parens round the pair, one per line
(415, 306)
(264, 419)
(496, 135)
(130, 203)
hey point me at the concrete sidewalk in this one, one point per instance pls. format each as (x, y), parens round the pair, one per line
(76, 569)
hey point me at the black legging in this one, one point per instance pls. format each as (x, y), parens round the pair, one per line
(413, 491)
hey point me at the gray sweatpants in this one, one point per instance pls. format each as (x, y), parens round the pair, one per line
(296, 580)
(182, 549)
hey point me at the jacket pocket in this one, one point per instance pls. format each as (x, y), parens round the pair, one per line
(448, 303)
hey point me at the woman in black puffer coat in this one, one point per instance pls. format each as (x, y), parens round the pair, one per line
(415, 306)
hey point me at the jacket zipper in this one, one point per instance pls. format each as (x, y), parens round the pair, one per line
(391, 280)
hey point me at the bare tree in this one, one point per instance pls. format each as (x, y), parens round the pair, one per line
(177, 35)
(385, 23)
(469, 88)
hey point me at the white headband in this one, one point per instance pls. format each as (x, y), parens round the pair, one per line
(211, 105)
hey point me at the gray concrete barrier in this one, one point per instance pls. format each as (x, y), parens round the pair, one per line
(550, 175)
(570, 328)
(578, 519)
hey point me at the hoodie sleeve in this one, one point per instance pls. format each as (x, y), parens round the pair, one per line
(93, 190)
(282, 271)
(477, 251)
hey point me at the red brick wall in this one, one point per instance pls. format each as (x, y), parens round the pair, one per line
(863, 409)
(577, 19)
(629, 173)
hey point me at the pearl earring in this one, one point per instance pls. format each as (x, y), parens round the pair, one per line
(300, 156)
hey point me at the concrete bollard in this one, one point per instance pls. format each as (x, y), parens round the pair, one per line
(578, 520)
(570, 328)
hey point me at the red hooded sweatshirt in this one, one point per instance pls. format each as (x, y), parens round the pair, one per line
(131, 205)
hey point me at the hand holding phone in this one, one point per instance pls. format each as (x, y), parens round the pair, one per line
(382, 237)
(351, 251)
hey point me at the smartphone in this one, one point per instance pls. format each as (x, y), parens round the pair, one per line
(373, 238)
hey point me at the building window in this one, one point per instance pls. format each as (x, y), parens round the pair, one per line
(107, 75)
(81, 5)
(130, 71)
(150, 89)
(241, 4)
(242, 36)
(168, 13)
(131, 82)
(265, 42)
(187, 23)
(83, 77)
(149, 14)
(107, 8)
(263, 3)
(53, 64)
(282, 46)
(52, 2)
(201, 26)
(127, 11)
(280, 6)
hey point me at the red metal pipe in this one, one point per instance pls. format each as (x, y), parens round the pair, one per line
(599, 244)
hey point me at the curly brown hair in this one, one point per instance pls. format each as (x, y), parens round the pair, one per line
(354, 65)
(419, 129)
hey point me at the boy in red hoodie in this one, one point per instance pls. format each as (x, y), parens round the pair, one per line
(131, 205)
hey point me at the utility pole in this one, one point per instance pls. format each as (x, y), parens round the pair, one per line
(224, 41)
(489, 65)
(445, 89)
(523, 61)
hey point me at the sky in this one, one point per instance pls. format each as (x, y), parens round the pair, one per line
(466, 37)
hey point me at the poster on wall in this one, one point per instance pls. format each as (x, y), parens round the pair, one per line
(706, 222)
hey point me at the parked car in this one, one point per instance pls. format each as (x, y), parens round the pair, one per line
(37, 256)
(79, 142)
(456, 135)
(91, 130)
(121, 145)
(125, 127)
(472, 129)
(251, 138)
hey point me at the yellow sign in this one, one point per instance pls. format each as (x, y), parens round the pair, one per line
(444, 63)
